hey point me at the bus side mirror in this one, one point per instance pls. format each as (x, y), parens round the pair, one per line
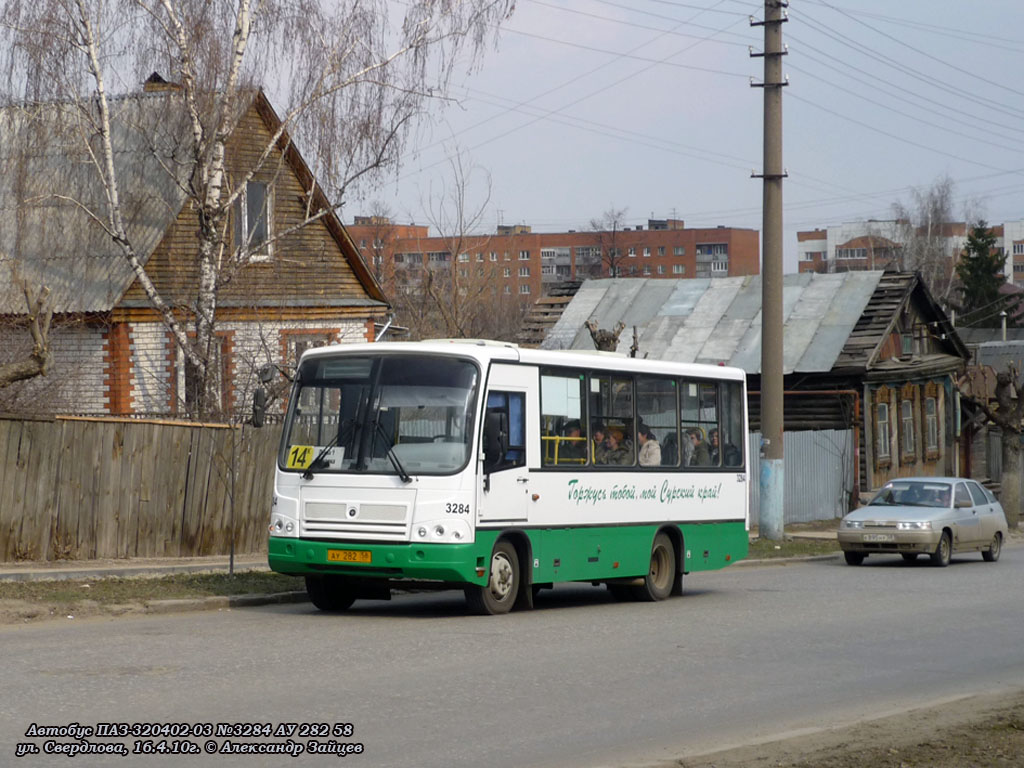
(259, 407)
(259, 397)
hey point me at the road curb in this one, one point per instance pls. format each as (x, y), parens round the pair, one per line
(220, 602)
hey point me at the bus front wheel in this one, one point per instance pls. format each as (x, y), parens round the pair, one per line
(661, 573)
(330, 593)
(499, 594)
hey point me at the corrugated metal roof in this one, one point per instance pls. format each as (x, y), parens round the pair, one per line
(719, 320)
(50, 186)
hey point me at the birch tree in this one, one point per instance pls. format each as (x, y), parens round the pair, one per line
(352, 77)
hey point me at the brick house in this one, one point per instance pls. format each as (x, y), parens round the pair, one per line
(112, 352)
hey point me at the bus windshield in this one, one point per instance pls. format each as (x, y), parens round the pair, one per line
(385, 414)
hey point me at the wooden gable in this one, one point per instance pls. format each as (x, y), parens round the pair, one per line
(315, 270)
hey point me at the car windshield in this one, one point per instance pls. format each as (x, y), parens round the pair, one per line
(382, 414)
(912, 494)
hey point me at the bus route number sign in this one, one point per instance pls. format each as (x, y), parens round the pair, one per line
(300, 456)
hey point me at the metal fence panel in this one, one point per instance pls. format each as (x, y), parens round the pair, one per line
(818, 469)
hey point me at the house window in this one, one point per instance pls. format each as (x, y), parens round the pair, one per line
(647, 269)
(508, 289)
(252, 222)
(438, 256)
(931, 425)
(647, 252)
(524, 255)
(661, 250)
(907, 427)
(494, 255)
(679, 250)
(524, 271)
(1018, 248)
(524, 288)
(188, 383)
(632, 252)
(463, 257)
(479, 257)
(508, 272)
(678, 269)
(882, 430)
(661, 269)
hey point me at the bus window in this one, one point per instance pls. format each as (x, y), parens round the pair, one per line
(732, 437)
(510, 408)
(699, 400)
(611, 411)
(563, 436)
(658, 411)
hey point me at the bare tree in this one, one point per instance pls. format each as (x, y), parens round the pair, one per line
(459, 294)
(609, 226)
(1008, 414)
(351, 84)
(382, 236)
(38, 360)
(605, 341)
(924, 232)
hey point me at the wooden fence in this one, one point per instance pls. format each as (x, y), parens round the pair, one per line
(80, 488)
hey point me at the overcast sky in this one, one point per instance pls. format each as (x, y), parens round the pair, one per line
(646, 105)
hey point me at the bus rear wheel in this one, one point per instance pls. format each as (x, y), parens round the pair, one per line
(661, 573)
(330, 593)
(499, 594)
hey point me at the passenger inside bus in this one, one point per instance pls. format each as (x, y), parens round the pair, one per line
(650, 449)
(572, 447)
(701, 456)
(618, 451)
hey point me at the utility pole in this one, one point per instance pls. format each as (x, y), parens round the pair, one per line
(770, 518)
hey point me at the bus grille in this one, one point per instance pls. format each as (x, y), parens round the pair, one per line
(356, 520)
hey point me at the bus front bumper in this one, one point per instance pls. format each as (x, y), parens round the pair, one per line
(440, 562)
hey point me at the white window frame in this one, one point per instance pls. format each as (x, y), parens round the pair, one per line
(882, 430)
(262, 251)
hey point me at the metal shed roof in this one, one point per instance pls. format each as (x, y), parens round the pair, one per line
(719, 320)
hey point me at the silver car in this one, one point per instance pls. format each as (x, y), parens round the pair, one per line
(936, 516)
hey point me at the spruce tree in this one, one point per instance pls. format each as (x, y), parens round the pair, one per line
(981, 275)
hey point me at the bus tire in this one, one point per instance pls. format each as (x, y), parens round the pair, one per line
(499, 594)
(661, 573)
(330, 593)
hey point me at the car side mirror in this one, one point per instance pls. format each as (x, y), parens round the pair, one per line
(964, 504)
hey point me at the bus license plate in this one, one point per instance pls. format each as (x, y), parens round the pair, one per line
(349, 556)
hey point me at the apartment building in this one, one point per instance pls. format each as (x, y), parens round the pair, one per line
(522, 262)
(864, 245)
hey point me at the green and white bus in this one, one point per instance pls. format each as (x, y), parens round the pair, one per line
(500, 470)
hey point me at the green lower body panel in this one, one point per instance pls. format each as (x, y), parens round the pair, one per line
(549, 554)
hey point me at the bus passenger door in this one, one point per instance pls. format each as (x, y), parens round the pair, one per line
(505, 481)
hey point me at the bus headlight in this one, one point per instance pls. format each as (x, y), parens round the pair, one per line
(447, 531)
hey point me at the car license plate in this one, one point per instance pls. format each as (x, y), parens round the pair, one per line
(349, 556)
(879, 537)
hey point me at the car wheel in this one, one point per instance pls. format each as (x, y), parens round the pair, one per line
(854, 558)
(992, 553)
(661, 573)
(330, 593)
(943, 551)
(499, 594)
(909, 556)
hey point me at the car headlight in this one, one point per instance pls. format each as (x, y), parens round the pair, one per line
(915, 525)
(853, 524)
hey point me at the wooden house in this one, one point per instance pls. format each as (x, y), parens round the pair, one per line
(868, 352)
(300, 286)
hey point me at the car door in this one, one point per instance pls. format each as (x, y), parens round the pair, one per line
(968, 524)
(986, 514)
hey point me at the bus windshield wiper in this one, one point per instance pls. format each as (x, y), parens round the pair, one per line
(391, 453)
(316, 463)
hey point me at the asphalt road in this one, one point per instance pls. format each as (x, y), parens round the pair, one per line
(748, 653)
